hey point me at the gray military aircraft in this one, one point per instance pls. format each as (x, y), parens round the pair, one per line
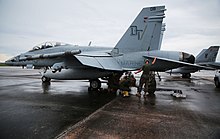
(206, 57)
(140, 42)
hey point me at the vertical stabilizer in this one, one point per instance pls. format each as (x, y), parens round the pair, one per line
(207, 55)
(161, 35)
(144, 33)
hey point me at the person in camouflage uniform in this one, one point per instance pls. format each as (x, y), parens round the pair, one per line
(144, 80)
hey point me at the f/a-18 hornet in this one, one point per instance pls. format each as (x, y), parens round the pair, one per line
(140, 42)
(207, 57)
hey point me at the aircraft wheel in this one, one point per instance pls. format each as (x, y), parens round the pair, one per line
(45, 79)
(186, 75)
(152, 87)
(217, 83)
(95, 84)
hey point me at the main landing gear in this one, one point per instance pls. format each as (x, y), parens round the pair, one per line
(186, 75)
(95, 84)
(112, 82)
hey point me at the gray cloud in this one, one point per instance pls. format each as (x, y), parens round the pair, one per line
(191, 25)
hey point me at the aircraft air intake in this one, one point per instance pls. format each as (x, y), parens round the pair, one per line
(185, 57)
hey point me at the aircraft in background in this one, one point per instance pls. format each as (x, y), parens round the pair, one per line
(140, 42)
(206, 57)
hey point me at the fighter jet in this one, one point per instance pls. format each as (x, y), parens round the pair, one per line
(140, 42)
(206, 57)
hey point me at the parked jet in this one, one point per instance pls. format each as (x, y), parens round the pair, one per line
(140, 42)
(206, 57)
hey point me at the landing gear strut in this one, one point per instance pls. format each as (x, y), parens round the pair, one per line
(158, 75)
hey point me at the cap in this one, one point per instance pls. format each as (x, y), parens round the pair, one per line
(146, 60)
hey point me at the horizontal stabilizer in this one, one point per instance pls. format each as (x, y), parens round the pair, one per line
(215, 65)
(161, 63)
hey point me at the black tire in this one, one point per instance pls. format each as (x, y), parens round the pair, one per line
(152, 87)
(186, 75)
(217, 83)
(95, 84)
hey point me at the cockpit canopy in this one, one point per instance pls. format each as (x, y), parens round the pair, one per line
(46, 45)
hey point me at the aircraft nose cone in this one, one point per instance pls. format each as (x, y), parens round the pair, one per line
(12, 60)
(7, 61)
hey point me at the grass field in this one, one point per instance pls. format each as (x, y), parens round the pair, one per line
(3, 64)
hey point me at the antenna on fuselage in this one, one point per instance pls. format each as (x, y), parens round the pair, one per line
(90, 43)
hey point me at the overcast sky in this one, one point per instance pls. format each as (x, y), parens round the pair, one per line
(191, 25)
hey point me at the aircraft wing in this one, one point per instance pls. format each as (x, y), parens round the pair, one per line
(101, 62)
(164, 64)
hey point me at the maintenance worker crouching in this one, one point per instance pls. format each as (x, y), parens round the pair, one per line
(125, 83)
(144, 80)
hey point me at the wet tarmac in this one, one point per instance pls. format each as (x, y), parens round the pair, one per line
(158, 117)
(30, 109)
(64, 109)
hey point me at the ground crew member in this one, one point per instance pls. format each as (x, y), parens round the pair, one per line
(125, 83)
(144, 80)
(131, 79)
(113, 82)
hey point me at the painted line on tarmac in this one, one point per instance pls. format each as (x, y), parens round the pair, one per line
(71, 128)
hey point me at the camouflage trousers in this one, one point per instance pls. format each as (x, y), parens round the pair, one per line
(144, 80)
